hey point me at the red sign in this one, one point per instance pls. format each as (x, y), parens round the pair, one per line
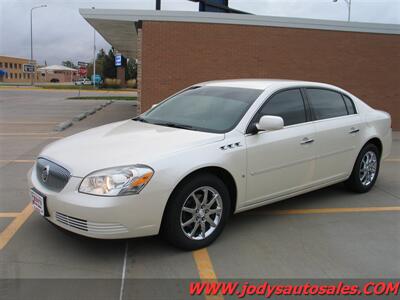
(82, 71)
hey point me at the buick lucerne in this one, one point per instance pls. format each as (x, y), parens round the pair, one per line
(209, 151)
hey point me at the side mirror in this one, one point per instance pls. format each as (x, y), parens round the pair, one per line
(269, 123)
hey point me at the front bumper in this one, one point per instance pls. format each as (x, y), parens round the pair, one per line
(103, 217)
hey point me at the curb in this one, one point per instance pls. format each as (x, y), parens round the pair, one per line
(63, 125)
(80, 117)
(92, 111)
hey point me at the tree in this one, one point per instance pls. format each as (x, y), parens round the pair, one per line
(69, 64)
(109, 69)
(99, 64)
(131, 69)
(105, 65)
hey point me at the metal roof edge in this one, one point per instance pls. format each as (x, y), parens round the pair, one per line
(237, 19)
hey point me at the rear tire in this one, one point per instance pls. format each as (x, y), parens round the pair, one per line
(197, 212)
(365, 170)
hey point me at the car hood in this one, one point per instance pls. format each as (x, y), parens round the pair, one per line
(122, 143)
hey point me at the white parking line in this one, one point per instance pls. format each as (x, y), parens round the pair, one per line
(121, 291)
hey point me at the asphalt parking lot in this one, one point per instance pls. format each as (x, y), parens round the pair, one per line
(330, 233)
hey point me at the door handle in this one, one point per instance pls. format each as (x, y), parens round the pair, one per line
(306, 140)
(353, 130)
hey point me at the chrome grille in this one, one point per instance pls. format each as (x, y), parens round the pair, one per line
(99, 228)
(51, 175)
(71, 221)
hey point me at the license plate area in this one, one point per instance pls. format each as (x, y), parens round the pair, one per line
(39, 202)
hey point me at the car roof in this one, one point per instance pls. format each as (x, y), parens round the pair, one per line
(263, 84)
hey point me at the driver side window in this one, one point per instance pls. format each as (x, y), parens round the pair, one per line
(288, 105)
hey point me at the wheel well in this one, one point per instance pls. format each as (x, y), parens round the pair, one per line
(221, 173)
(377, 142)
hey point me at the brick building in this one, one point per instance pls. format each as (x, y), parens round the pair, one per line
(177, 49)
(12, 70)
(57, 74)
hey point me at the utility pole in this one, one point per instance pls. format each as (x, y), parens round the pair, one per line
(33, 8)
(348, 2)
(94, 56)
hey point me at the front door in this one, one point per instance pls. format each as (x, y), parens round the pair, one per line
(281, 162)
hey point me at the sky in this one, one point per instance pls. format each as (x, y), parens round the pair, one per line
(60, 33)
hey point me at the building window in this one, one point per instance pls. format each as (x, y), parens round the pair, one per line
(19, 66)
(1, 64)
(6, 65)
(19, 75)
(11, 75)
(15, 66)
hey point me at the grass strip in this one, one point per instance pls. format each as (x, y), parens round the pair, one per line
(129, 98)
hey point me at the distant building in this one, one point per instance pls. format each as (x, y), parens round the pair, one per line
(12, 70)
(57, 74)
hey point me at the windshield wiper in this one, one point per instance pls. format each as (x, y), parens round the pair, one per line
(140, 119)
(175, 125)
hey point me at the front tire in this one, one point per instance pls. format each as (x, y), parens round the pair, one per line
(365, 170)
(197, 212)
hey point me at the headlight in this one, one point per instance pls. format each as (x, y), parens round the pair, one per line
(118, 181)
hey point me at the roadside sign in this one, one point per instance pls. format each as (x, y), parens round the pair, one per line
(118, 60)
(29, 68)
(82, 71)
(82, 64)
(96, 79)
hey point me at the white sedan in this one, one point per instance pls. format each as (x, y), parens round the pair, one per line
(214, 149)
(83, 81)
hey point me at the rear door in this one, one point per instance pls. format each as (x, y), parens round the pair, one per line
(337, 139)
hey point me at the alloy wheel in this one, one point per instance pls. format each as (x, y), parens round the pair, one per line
(368, 168)
(201, 213)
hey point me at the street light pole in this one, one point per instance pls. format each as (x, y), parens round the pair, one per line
(94, 56)
(33, 8)
(348, 2)
(349, 6)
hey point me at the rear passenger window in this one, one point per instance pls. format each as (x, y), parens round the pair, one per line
(349, 105)
(326, 104)
(288, 105)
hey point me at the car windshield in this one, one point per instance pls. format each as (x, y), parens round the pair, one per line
(206, 108)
